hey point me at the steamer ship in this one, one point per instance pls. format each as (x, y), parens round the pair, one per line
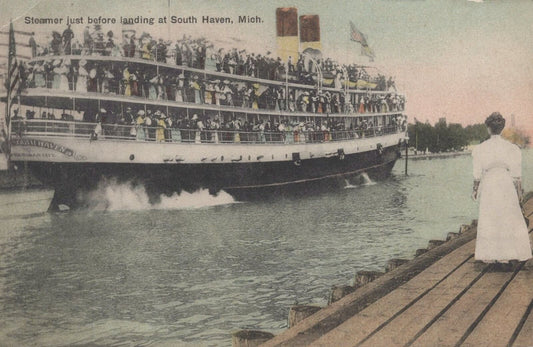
(145, 112)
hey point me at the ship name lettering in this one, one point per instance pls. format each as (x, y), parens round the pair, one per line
(44, 144)
(216, 20)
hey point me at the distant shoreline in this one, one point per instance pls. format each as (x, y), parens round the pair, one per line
(437, 155)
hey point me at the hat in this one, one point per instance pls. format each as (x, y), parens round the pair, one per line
(140, 112)
(66, 62)
(163, 116)
(195, 77)
(82, 62)
(181, 76)
(56, 62)
(194, 117)
(102, 110)
(226, 82)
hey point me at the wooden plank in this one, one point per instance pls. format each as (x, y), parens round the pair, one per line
(499, 324)
(365, 322)
(406, 326)
(448, 329)
(525, 336)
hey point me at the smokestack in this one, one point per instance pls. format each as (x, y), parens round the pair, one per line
(287, 32)
(309, 30)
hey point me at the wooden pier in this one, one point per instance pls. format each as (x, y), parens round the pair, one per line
(440, 298)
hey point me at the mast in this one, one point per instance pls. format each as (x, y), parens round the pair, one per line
(12, 82)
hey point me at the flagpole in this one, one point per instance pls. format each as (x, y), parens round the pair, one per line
(7, 117)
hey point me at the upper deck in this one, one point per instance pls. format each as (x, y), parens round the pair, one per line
(91, 82)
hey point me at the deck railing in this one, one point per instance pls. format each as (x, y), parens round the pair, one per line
(102, 132)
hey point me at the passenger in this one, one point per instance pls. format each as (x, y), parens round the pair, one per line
(168, 130)
(196, 90)
(236, 128)
(226, 93)
(254, 96)
(140, 125)
(92, 81)
(81, 82)
(161, 90)
(39, 76)
(58, 70)
(210, 92)
(161, 127)
(126, 81)
(175, 130)
(215, 127)
(150, 122)
(152, 91)
(98, 40)
(107, 76)
(127, 118)
(67, 37)
(98, 130)
(146, 49)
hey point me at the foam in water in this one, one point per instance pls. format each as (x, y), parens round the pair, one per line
(112, 196)
(361, 180)
(366, 180)
(348, 185)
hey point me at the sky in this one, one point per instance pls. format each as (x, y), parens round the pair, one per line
(457, 59)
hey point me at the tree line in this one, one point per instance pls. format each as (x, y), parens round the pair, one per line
(444, 137)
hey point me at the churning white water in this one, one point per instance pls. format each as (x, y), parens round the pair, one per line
(361, 180)
(113, 196)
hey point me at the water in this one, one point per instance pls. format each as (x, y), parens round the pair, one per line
(194, 268)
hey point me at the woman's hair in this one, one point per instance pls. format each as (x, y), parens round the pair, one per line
(495, 122)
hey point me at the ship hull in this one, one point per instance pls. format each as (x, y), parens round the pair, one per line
(73, 181)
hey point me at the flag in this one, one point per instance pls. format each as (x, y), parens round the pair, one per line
(13, 82)
(13, 86)
(369, 52)
(357, 36)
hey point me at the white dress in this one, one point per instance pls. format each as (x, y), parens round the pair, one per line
(501, 233)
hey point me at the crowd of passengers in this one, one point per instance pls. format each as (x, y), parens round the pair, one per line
(195, 52)
(160, 84)
(155, 125)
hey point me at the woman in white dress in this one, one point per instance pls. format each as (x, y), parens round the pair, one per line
(81, 83)
(502, 235)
